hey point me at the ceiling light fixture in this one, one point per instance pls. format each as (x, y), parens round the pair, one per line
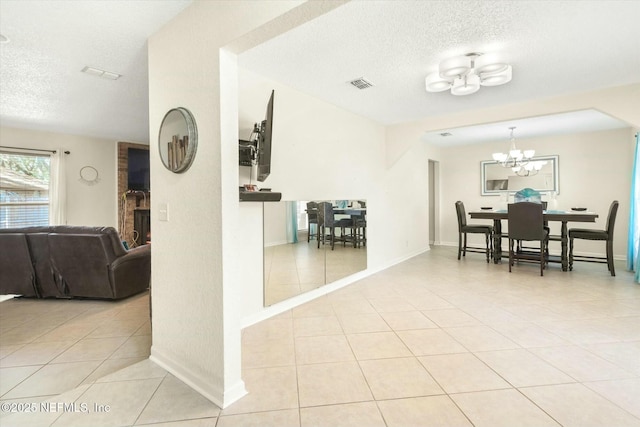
(101, 73)
(465, 74)
(520, 162)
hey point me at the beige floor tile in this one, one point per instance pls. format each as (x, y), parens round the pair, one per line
(502, 408)
(353, 306)
(68, 332)
(521, 368)
(624, 393)
(23, 334)
(318, 307)
(391, 304)
(459, 373)
(110, 366)
(359, 323)
(377, 345)
(346, 415)
(407, 320)
(202, 422)
(53, 379)
(528, 335)
(624, 354)
(6, 350)
(11, 377)
(35, 353)
(430, 341)
(135, 346)
(90, 349)
(432, 411)
(332, 383)
(574, 405)
(450, 317)
(142, 370)
(111, 404)
(313, 326)
(480, 338)
(284, 418)
(580, 364)
(322, 349)
(269, 389)
(173, 401)
(116, 328)
(276, 352)
(398, 378)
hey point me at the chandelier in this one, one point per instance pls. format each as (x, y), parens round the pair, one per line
(465, 74)
(520, 162)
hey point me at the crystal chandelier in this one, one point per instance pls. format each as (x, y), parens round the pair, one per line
(520, 162)
(465, 74)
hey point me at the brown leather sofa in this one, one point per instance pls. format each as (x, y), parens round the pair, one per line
(71, 262)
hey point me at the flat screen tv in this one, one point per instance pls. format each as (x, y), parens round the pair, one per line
(264, 143)
(138, 177)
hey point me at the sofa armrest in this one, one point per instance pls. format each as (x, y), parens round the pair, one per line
(133, 255)
(132, 272)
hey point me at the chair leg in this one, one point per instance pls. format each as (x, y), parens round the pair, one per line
(459, 245)
(464, 247)
(510, 254)
(541, 257)
(612, 269)
(487, 239)
(570, 254)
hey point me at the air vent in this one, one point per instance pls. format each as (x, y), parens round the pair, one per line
(445, 134)
(361, 83)
(101, 73)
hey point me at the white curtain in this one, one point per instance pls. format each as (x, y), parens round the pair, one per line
(58, 190)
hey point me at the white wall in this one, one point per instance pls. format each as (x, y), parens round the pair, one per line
(91, 205)
(595, 169)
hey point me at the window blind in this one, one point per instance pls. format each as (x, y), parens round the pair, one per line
(24, 189)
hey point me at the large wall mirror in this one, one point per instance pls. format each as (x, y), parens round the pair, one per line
(178, 139)
(497, 179)
(295, 261)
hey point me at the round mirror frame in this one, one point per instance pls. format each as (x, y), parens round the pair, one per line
(185, 151)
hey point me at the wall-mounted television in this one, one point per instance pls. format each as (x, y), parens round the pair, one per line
(138, 176)
(264, 143)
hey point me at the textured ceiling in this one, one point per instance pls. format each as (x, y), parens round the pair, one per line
(555, 47)
(41, 86)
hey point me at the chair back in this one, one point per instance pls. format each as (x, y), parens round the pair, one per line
(526, 221)
(462, 218)
(325, 214)
(312, 212)
(611, 218)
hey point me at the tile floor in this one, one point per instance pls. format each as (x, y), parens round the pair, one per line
(430, 342)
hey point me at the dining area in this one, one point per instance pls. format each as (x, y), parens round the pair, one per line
(528, 233)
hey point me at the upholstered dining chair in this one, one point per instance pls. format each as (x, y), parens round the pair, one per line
(312, 216)
(590, 234)
(464, 229)
(526, 223)
(326, 224)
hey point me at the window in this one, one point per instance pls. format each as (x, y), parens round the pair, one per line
(24, 189)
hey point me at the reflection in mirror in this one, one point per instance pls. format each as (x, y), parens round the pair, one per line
(178, 139)
(296, 262)
(497, 179)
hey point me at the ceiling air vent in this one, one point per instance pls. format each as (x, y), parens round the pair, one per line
(361, 83)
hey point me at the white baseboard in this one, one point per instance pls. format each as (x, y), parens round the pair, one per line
(213, 392)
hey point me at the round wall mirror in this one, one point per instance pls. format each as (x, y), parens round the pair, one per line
(178, 139)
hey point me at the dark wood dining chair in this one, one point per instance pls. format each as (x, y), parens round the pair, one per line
(590, 234)
(526, 223)
(464, 229)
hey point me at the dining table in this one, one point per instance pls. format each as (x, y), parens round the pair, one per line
(562, 216)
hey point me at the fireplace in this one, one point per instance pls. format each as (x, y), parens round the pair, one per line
(142, 226)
